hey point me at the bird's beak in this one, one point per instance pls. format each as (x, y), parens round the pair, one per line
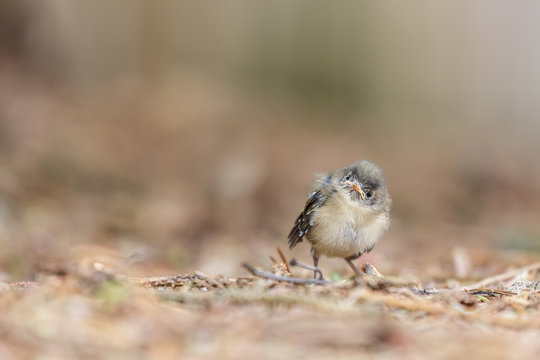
(356, 188)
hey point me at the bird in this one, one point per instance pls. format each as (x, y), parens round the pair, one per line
(346, 213)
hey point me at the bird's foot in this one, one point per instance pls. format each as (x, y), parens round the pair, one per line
(317, 273)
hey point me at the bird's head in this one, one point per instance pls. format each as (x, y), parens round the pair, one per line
(364, 182)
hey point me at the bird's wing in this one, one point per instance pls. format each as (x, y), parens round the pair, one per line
(304, 221)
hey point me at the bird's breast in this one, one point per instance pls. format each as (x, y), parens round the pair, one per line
(343, 228)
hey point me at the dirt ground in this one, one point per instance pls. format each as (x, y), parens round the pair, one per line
(107, 195)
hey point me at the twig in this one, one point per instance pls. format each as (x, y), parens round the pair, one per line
(316, 270)
(504, 276)
(284, 259)
(490, 292)
(291, 280)
(524, 285)
(21, 284)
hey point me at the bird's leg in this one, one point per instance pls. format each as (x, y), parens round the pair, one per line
(351, 264)
(315, 265)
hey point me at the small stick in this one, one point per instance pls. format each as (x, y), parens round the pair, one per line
(504, 276)
(284, 259)
(489, 292)
(291, 280)
(294, 262)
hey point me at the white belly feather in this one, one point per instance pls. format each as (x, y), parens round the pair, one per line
(346, 230)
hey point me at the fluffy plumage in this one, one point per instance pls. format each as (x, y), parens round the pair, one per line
(346, 213)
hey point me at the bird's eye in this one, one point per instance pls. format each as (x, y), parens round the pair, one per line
(348, 177)
(369, 194)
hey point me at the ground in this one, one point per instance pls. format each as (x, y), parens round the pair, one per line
(126, 213)
(94, 313)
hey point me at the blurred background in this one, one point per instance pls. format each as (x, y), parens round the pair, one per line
(173, 136)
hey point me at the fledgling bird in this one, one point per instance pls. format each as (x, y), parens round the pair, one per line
(346, 213)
